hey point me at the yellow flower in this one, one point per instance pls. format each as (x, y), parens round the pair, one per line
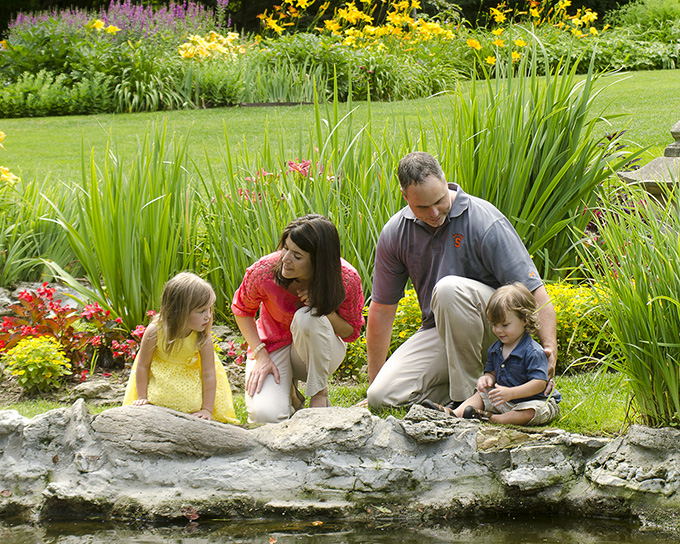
(498, 42)
(519, 42)
(516, 56)
(7, 177)
(474, 44)
(497, 31)
(111, 29)
(589, 16)
(3, 45)
(332, 25)
(564, 4)
(490, 60)
(2, 137)
(593, 31)
(97, 25)
(303, 4)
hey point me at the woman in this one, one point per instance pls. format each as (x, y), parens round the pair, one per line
(310, 302)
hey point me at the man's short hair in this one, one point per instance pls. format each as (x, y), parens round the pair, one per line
(416, 167)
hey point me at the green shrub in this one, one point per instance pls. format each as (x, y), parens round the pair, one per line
(580, 323)
(37, 364)
(34, 95)
(406, 322)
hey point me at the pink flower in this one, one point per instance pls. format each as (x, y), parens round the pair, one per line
(150, 313)
(83, 375)
(25, 295)
(299, 167)
(46, 292)
(118, 320)
(91, 311)
(239, 359)
(138, 332)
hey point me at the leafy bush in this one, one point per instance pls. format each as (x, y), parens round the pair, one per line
(35, 95)
(580, 325)
(85, 338)
(37, 363)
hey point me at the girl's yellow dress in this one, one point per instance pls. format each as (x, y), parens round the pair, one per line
(175, 381)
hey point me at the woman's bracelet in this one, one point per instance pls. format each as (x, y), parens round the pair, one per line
(257, 349)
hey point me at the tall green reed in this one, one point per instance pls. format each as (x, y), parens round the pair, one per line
(531, 145)
(341, 172)
(637, 260)
(135, 226)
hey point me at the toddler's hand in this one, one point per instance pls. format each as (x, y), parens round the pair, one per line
(484, 383)
(203, 414)
(140, 402)
(500, 394)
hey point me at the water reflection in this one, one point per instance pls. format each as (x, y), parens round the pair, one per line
(504, 531)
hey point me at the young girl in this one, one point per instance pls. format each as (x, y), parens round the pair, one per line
(176, 366)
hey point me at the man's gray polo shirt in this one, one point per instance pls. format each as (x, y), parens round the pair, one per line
(476, 241)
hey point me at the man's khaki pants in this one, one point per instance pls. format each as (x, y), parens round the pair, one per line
(441, 363)
(315, 354)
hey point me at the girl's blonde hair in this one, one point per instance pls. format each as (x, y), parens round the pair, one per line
(182, 295)
(514, 297)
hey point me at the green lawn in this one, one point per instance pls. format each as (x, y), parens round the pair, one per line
(593, 404)
(646, 101)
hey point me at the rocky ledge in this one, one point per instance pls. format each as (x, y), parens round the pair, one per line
(156, 464)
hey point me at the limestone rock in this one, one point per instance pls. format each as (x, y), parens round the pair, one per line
(154, 430)
(98, 391)
(313, 429)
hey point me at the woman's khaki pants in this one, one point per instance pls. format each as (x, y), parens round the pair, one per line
(315, 354)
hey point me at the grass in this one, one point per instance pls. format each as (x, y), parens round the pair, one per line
(593, 403)
(645, 100)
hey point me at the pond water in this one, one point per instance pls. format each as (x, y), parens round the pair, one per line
(487, 531)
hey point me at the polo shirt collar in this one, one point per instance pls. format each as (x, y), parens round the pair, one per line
(460, 204)
(520, 349)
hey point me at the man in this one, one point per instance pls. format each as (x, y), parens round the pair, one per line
(456, 249)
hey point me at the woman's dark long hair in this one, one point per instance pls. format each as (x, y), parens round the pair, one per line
(318, 236)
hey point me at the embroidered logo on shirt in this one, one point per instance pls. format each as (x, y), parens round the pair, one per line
(457, 240)
(533, 274)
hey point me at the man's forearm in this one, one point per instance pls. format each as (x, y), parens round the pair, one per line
(378, 335)
(547, 333)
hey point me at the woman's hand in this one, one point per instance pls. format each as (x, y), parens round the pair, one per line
(303, 295)
(262, 368)
(140, 402)
(203, 414)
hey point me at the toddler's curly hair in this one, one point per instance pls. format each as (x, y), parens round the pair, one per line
(514, 297)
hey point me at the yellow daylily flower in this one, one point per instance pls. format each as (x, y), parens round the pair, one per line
(516, 56)
(498, 42)
(490, 60)
(112, 29)
(96, 24)
(519, 42)
(474, 44)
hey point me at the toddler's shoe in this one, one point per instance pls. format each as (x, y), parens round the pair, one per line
(471, 412)
(434, 406)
